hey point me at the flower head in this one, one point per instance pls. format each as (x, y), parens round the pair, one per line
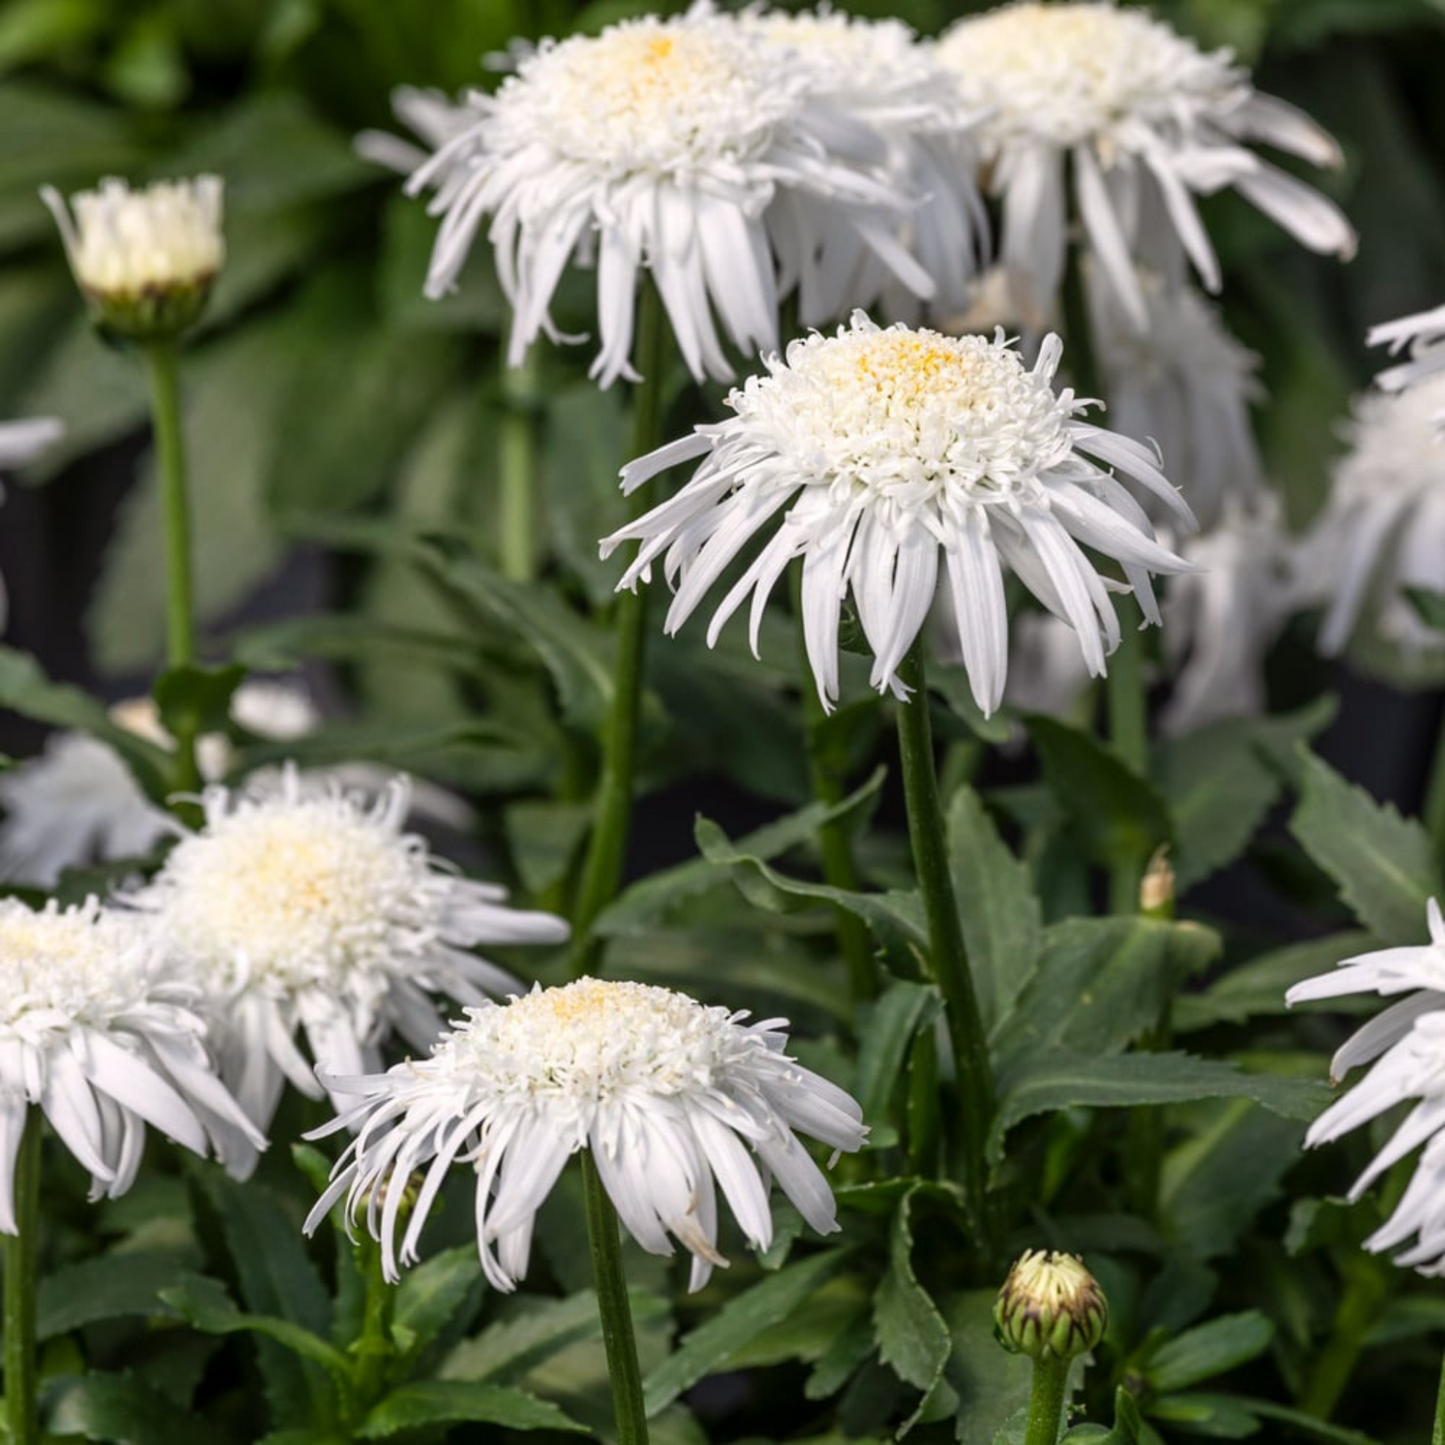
(1405, 1045)
(1050, 1306)
(880, 448)
(1383, 529)
(1424, 335)
(94, 1032)
(664, 1091)
(1147, 121)
(299, 906)
(690, 147)
(144, 259)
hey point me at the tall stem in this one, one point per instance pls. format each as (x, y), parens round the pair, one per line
(607, 848)
(1129, 734)
(517, 466)
(1437, 1435)
(945, 935)
(163, 372)
(21, 1409)
(1434, 808)
(1366, 1288)
(612, 1304)
(1046, 1401)
(825, 774)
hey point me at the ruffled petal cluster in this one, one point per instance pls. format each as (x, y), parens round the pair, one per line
(1423, 335)
(673, 1099)
(97, 1035)
(301, 908)
(1144, 122)
(1405, 1048)
(890, 462)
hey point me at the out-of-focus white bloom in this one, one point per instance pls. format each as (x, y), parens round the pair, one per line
(690, 148)
(1406, 1046)
(1046, 670)
(877, 71)
(666, 1093)
(1383, 529)
(144, 259)
(23, 441)
(1424, 335)
(95, 1033)
(300, 907)
(1221, 621)
(1146, 121)
(880, 448)
(1186, 384)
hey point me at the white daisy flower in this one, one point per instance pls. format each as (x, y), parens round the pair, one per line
(144, 259)
(1424, 335)
(666, 1092)
(1221, 621)
(879, 447)
(1406, 1046)
(690, 147)
(301, 907)
(1383, 528)
(1186, 384)
(1145, 121)
(878, 71)
(94, 1032)
(427, 113)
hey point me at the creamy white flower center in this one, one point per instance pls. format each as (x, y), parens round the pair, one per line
(911, 417)
(293, 895)
(1065, 73)
(80, 965)
(668, 96)
(592, 1040)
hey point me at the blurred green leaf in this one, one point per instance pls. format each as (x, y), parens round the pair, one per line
(437, 1402)
(892, 1022)
(107, 1287)
(197, 700)
(432, 1293)
(1207, 1350)
(118, 1408)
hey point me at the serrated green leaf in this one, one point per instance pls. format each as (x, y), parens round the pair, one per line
(120, 1409)
(1045, 1082)
(1207, 1350)
(1384, 864)
(431, 1293)
(712, 1345)
(997, 906)
(437, 1402)
(913, 1338)
(108, 1287)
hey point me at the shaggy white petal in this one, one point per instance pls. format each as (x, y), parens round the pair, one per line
(666, 1093)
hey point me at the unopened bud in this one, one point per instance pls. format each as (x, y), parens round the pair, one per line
(1050, 1306)
(145, 260)
(1156, 892)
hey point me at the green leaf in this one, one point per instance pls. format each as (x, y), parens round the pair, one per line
(1220, 1417)
(280, 646)
(1127, 1424)
(997, 906)
(25, 689)
(545, 837)
(991, 1384)
(1060, 1079)
(1208, 1350)
(1383, 863)
(120, 1409)
(1118, 816)
(1221, 781)
(1100, 984)
(437, 1402)
(1257, 989)
(197, 699)
(106, 1287)
(430, 1294)
(712, 1345)
(913, 1338)
(952, 685)
(654, 897)
(204, 1304)
(889, 1029)
(1306, 1426)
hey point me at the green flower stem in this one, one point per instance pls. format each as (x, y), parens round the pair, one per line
(517, 466)
(1437, 1435)
(825, 774)
(22, 1415)
(373, 1347)
(602, 866)
(1046, 1401)
(945, 935)
(1367, 1285)
(163, 371)
(612, 1304)
(1129, 735)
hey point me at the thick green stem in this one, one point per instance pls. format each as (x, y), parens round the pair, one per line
(1437, 1435)
(825, 774)
(163, 371)
(613, 1306)
(1046, 1401)
(373, 1348)
(1434, 810)
(949, 958)
(22, 1414)
(1129, 735)
(517, 468)
(602, 867)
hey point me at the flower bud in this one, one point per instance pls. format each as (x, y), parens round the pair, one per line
(144, 259)
(1156, 890)
(1050, 1306)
